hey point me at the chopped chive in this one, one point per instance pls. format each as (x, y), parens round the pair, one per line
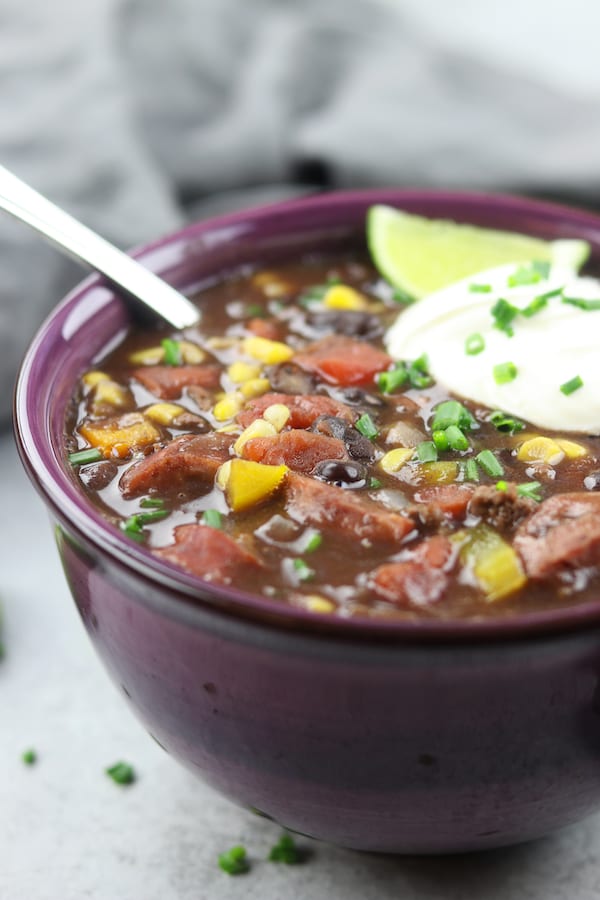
(587, 305)
(234, 861)
(506, 423)
(154, 515)
(285, 851)
(440, 439)
(304, 572)
(531, 490)
(152, 503)
(315, 541)
(490, 463)
(426, 452)
(212, 518)
(418, 373)
(394, 378)
(503, 314)
(480, 288)
(172, 351)
(451, 412)
(502, 485)
(367, 426)
(474, 344)
(132, 527)
(400, 296)
(121, 773)
(29, 757)
(569, 387)
(456, 438)
(471, 472)
(254, 310)
(530, 274)
(375, 483)
(538, 303)
(82, 457)
(312, 295)
(504, 372)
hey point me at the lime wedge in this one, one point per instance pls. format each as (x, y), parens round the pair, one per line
(419, 255)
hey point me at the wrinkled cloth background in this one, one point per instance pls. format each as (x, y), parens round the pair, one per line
(137, 115)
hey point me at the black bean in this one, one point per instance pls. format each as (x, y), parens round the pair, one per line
(345, 474)
(358, 446)
(355, 396)
(350, 323)
(97, 476)
(288, 378)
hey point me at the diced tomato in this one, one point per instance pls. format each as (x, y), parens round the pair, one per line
(264, 328)
(299, 450)
(419, 581)
(450, 499)
(343, 360)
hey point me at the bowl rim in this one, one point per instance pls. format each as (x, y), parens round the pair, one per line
(71, 507)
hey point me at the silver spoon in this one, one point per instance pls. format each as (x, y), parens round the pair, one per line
(80, 242)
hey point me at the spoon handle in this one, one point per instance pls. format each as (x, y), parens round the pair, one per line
(71, 236)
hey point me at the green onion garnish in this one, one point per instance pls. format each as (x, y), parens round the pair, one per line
(285, 851)
(538, 303)
(502, 486)
(426, 452)
(503, 313)
(451, 412)
(255, 311)
(121, 773)
(82, 457)
(504, 372)
(530, 274)
(304, 572)
(440, 439)
(400, 296)
(172, 351)
(29, 757)
(152, 503)
(314, 542)
(394, 378)
(531, 490)
(480, 288)
(490, 464)
(234, 861)
(418, 373)
(474, 344)
(367, 426)
(569, 387)
(133, 525)
(314, 294)
(375, 483)
(456, 438)
(506, 423)
(588, 305)
(471, 472)
(212, 518)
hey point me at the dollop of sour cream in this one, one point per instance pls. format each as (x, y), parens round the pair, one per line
(558, 343)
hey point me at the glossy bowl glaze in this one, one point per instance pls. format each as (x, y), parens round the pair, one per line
(379, 735)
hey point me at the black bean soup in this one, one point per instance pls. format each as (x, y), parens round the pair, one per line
(277, 447)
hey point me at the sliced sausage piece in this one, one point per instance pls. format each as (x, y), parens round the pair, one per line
(313, 502)
(561, 536)
(503, 510)
(443, 501)
(421, 580)
(168, 382)
(186, 460)
(343, 360)
(298, 449)
(208, 553)
(264, 328)
(304, 409)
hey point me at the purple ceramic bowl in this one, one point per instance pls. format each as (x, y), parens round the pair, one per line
(378, 735)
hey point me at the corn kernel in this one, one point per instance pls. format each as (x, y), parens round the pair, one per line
(228, 429)
(191, 353)
(149, 357)
(340, 296)
(317, 604)
(222, 342)
(109, 393)
(541, 449)
(255, 387)
(91, 379)
(278, 415)
(164, 413)
(258, 428)
(393, 460)
(228, 406)
(240, 372)
(267, 351)
(223, 473)
(571, 449)
(270, 284)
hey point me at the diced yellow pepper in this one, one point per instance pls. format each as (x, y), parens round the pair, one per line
(441, 472)
(91, 379)
(317, 604)
(258, 428)
(119, 437)
(228, 406)
(151, 356)
(256, 387)
(164, 413)
(278, 415)
(393, 460)
(267, 351)
(250, 483)
(571, 449)
(494, 563)
(340, 296)
(541, 449)
(239, 372)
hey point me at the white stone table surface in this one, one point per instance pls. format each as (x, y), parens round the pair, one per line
(67, 832)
